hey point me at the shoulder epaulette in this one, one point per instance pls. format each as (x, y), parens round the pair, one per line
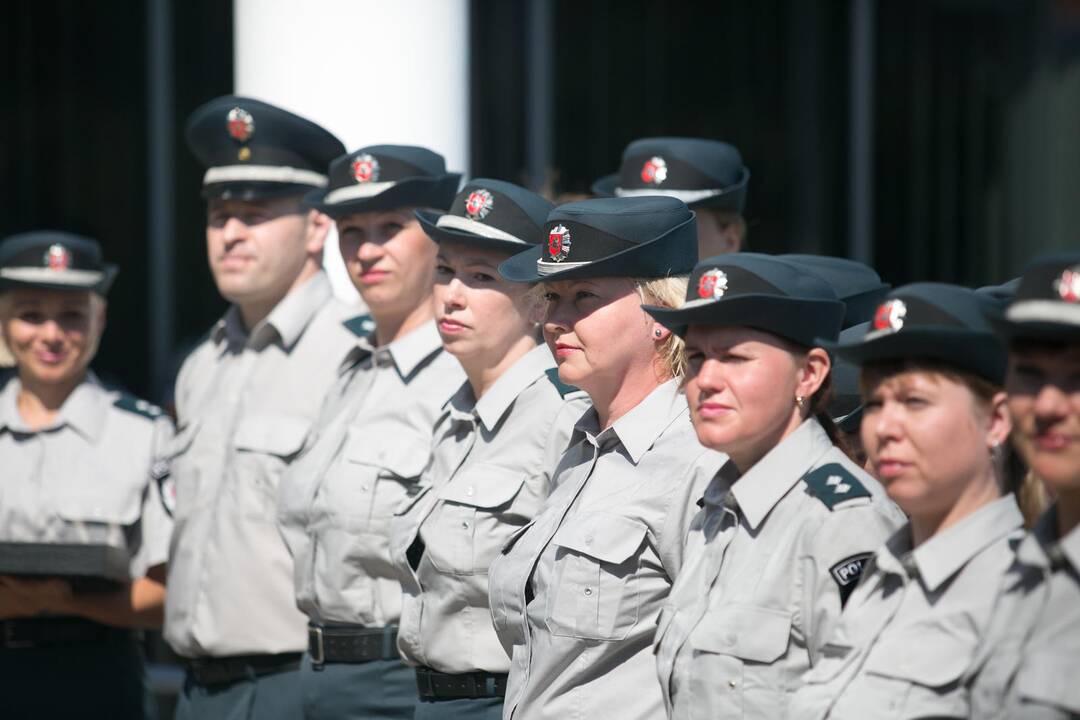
(563, 388)
(136, 405)
(361, 325)
(834, 484)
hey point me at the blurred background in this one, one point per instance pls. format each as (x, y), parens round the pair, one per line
(936, 139)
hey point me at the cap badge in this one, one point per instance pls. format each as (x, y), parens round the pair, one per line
(1068, 285)
(559, 243)
(654, 171)
(479, 204)
(890, 315)
(57, 257)
(712, 284)
(240, 124)
(365, 168)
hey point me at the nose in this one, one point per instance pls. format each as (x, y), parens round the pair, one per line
(884, 424)
(710, 377)
(455, 294)
(558, 318)
(1050, 402)
(234, 230)
(51, 331)
(369, 251)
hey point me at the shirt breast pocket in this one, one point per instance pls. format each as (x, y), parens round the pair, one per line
(265, 444)
(1047, 679)
(380, 472)
(918, 671)
(467, 530)
(592, 594)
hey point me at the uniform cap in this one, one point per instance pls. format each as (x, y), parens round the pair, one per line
(702, 173)
(492, 214)
(54, 260)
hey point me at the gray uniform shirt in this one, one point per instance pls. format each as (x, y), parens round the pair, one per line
(93, 476)
(769, 558)
(1029, 664)
(575, 593)
(908, 635)
(245, 402)
(360, 464)
(490, 474)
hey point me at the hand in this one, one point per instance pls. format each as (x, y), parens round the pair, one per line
(22, 597)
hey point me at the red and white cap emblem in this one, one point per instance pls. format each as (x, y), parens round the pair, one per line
(57, 257)
(890, 315)
(654, 171)
(365, 168)
(559, 243)
(240, 124)
(479, 204)
(1068, 285)
(712, 284)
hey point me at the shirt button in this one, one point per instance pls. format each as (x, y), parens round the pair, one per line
(465, 525)
(469, 491)
(588, 591)
(588, 540)
(730, 639)
(732, 684)
(363, 488)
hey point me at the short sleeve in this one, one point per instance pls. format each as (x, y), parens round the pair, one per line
(155, 521)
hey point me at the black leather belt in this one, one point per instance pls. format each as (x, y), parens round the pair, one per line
(59, 631)
(434, 685)
(223, 670)
(351, 644)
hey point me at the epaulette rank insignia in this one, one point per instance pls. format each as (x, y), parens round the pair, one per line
(360, 325)
(563, 388)
(138, 406)
(834, 484)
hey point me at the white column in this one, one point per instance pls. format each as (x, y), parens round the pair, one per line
(370, 71)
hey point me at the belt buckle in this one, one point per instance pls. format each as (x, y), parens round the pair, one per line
(317, 648)
(10, 641)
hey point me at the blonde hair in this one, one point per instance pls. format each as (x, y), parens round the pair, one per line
(667, 292)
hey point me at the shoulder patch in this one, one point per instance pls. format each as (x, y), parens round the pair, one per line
(834, 484)
(563, 388)
(847, 572)
(361, 325)
(132, 404)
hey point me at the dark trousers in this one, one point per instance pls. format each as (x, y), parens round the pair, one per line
(264, 697)
(462, 709)
(88, 681)
(375, 690)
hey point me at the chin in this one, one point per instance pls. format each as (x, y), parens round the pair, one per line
(1060, 473)
(713, 434)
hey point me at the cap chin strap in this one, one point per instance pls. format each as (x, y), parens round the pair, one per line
(263, 173)
(687, 196)
(1053, 311)
(74, 278)
(357, 192)
(455, 222)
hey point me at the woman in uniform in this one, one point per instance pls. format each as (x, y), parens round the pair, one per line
(84, 467)
(934, 429)
(373, 437)
(574, 594)
(1029, 659)
(496, 444)
(787, 522)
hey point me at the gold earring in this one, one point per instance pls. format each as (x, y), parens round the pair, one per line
(801, 402)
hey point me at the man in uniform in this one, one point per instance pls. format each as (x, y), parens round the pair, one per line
(245, 399)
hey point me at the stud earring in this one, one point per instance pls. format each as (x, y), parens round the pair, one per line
(801, 402)
(657, 332)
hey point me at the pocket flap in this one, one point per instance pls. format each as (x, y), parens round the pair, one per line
(1047, 678)
(932, 655)
(749, 632)
(409, 501)
(403, 452)
(609, 538)
(113, 505)
(272, 433)
(484, 486)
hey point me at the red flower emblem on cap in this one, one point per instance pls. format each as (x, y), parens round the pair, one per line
(240, 124)
(365, 168)
(1068, 285)
(559, 243)
(712, 284)
(654, 171)
(890, 315)
(479, 204)
(57, 257)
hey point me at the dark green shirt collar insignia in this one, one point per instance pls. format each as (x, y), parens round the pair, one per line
(834, 484)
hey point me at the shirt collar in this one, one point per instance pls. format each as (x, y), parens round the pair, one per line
(771, 478)
(946, 553)
(408, 352)
(1042, 548)
(505, 390)
(638, 429)
(287, 320)
(83, 410)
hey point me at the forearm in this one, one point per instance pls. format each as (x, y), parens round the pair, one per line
(139, 604)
